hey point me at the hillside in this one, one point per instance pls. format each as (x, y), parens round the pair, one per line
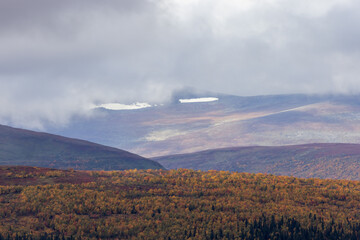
(232, 121)
(174, 204)
(337, 161)
(23, 147)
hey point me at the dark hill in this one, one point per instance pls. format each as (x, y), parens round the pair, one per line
(337, 161)
(23, 147)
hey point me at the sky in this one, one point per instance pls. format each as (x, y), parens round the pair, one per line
(58, 58)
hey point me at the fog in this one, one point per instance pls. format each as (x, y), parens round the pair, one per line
(59, 58)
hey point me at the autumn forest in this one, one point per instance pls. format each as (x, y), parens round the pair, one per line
(38, 203)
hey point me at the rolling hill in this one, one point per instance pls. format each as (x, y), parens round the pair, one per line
(28, 148)
(337, 161)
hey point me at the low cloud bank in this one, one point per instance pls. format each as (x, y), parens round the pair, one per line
(57, 58)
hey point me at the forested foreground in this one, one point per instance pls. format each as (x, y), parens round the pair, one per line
(176, 204)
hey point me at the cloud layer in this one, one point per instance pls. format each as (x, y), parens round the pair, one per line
(57, 58)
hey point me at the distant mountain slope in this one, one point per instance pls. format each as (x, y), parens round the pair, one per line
(23, 147)
(232, 121)
(337, 161)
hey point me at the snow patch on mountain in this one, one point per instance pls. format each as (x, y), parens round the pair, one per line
(197, 100)
(119, 106)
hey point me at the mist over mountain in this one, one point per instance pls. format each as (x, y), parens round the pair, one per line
(112, 72)
(60, 57)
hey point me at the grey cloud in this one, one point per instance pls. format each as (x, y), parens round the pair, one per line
(58, 57)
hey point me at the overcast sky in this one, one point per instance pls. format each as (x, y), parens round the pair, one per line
(59, 57)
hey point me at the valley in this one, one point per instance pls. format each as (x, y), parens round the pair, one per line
(179, 120)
